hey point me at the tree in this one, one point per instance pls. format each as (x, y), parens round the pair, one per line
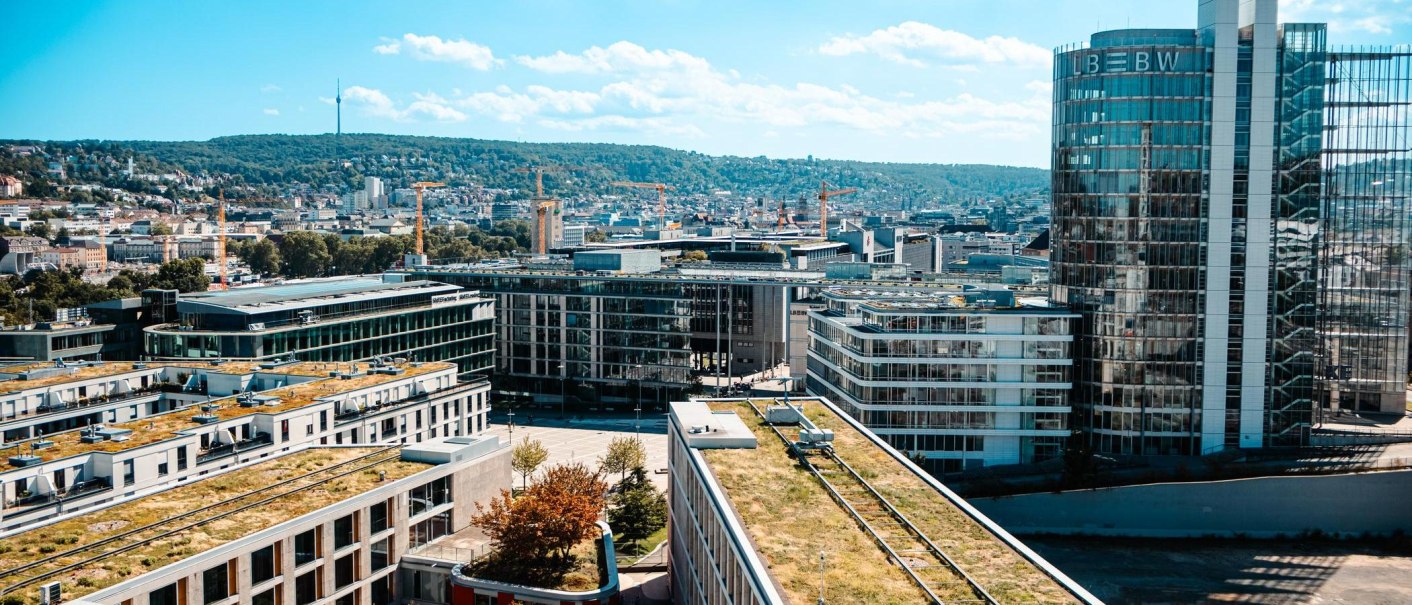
(39, 229)
(186, 275)
(160, 228)
(596, 237)
(549, 517)
(638, 508)
(263, 257)
(527, 457)
(305, 254)
(694, 256)
(624, 454)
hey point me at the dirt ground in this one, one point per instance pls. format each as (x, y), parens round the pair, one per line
(1156, 571)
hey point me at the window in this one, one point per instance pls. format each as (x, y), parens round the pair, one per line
(429, 495)
(262, 564)
(382, 553)
(377, 516)
(306, 547)
(345, 570)
(348, 599)
(162, 469)
(166, 595)
(215, 583)
(435, 527)
(129, 472)
(343, 532)
(264, 598)
(181, 458)
(306, 588)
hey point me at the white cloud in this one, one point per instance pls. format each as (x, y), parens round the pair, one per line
(269, 88)
(673, 92)
(1377, 17)
(433, 48)
(375, 103)
(270, 111)
(619, 57)
(922, 44)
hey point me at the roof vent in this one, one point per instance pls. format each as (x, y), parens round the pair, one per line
(50, 594)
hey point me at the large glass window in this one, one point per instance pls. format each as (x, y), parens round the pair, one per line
(345, 570)
(344, 532)
(215, 583)
(377, 517)
(262, 564)
(306, 588)
(306, 547)
(166, 595)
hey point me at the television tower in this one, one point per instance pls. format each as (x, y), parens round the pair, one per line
(338, 103)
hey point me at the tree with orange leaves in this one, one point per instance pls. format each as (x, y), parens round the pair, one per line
(548, 518)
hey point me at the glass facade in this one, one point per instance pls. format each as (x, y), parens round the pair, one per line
(460, 332)
(1129, 227)
(1364, 253)
(955, 387)
(1231, 223)
(585, 341)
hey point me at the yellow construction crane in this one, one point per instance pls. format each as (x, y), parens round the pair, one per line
(419, 186)
(824, 195)
(661, 197)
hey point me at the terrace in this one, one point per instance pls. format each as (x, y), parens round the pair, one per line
(166, 426)
(790, 518)
(36, 553)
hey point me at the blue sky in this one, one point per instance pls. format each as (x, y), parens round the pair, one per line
(955, 81)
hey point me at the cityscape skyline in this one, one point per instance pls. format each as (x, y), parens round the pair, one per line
(897, 82)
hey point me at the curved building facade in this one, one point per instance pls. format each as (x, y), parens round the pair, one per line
(1231, 224)
(1130, 141)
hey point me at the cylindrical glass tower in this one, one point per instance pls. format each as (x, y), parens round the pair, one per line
(1130, 149)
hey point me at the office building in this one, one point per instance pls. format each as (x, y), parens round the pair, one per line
(757, 515)
(84, 435)
(337, 319)
(1230, 222)
(324, 524)
(958, 379)
(76, 340)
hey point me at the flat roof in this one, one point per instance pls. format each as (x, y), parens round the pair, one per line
(86, 371)
(294, 295)
(275, 478)
(161, 427)
(790, 517)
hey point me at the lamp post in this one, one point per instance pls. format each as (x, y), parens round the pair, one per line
(511, 415)
(638, 427)
(563, 386)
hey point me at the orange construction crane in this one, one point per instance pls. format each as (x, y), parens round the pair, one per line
(419, 186)
(541, 214)
(539, 175)
(824, 195)
(661, 197)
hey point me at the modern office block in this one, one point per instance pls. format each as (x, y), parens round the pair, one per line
(1230, 220)
(752, 523)
(322, 524)
(80, 436)
(339, 320)
(958, 379)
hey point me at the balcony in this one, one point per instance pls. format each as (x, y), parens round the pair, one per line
(31, 502)
(225, 450)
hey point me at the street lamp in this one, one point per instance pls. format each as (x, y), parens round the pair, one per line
(563, 386)
(638, 409)
(511, 415)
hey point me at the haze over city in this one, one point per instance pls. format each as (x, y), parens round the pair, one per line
(931, 82)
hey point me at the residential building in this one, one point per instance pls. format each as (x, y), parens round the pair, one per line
(320, 524)
(958, 379)
(1230, 222)
(341, 319)
(63, 257)
(10, 186)
(767, 497)
(84, 435)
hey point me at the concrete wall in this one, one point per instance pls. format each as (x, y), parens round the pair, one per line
(1263, 507)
